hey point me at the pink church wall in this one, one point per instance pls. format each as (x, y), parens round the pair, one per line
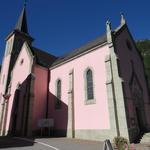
(92, 116)
(40, 95)
(4, 71)
(19, 74)
(126, 58)
(3, 82)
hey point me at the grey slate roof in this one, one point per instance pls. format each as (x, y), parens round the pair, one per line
(47, 60)
(43, 58)
(22, 22)
(92, 44)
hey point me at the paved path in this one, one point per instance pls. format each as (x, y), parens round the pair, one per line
(142, 146)
(48, 144)
(8, 143)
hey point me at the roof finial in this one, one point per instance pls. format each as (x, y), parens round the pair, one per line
(123, 21)
(108, 31)
(25, 3)
(108, 26)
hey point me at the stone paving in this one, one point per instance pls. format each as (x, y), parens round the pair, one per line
(143, 146)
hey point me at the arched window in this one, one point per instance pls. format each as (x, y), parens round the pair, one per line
(59, 89)
(58, 93)
(89, 84)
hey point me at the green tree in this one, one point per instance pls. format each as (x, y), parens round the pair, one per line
(144, 48)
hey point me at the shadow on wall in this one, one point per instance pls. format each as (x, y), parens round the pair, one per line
(20, 109)
(10, 142)
(58, 110)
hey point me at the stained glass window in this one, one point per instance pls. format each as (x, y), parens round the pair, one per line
(89, 80)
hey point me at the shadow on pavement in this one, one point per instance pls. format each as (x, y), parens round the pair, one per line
(12, 142)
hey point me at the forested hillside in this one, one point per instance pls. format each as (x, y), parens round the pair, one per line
(144, 47)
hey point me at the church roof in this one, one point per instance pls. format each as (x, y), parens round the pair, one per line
(82, 49)
(43, 58)
(22, 22)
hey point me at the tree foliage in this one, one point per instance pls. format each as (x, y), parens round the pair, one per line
(144, 48)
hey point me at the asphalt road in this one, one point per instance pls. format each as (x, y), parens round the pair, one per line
(15, 143)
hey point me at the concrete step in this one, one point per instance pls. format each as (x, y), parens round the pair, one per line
(145, 138)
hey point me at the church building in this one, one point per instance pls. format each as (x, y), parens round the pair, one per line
(96, 92)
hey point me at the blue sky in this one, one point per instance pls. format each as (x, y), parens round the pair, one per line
(59, 26)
